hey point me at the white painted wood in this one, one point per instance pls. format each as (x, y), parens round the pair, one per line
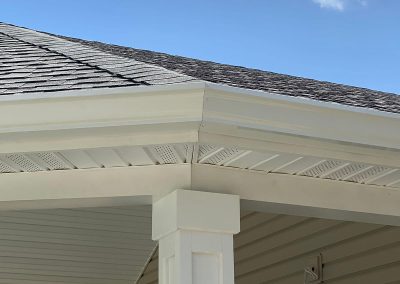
(173, 114)
(135, 155)
(297, 195)
(105, 120)
(262, 112)
(80, 159)
(107, 158)
(196, 210)
(69, 112)
(96, 137)
(281, 193)
(195, 233)
(91, 187)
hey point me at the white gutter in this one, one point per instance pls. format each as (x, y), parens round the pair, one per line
(299, 100)
(258, 111)
(103, 92)
(185, 107)
(193, 86)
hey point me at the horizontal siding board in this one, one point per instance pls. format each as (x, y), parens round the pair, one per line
(73, 258)
(89, 248)
(89, 232)
(75, 246)
(371, 240)
(51, 264)
(265, 229)
(383, 274)
(146, 228)
(146, 210)
(29, 237)
(293, 278)
(274, 272)
(81, 218)
(345, 249)
(56, 279)
(144, 215)
(255, 220)
(364, 261)
(291, 234)
(280, 271)
(71, 253)
(334, 234)
(127, 275)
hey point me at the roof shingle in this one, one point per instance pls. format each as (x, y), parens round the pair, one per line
(32, 61)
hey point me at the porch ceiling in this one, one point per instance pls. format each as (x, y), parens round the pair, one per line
(85, 245)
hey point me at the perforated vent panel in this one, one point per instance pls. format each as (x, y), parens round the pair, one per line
(205, 150)
(53, 161)
(389, 179)
(322, 168)
(23, 162)
(347, 171)
(370, 173)
(222, 156)
(4, 168)
(166, 154)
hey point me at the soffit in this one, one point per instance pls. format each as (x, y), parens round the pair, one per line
(207, 154)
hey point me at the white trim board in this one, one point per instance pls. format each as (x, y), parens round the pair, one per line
(273, 192)
(279, 193)
(160, 109)
(91, 187)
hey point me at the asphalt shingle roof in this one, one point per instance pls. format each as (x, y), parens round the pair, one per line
(32, 61)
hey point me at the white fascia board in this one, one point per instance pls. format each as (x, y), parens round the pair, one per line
(297, 195)
(91, 187)
(97, 137)
(197, 112)
(101, 118)
(101, 108)
(264, 112)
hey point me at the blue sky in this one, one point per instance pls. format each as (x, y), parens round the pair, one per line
(354, 42)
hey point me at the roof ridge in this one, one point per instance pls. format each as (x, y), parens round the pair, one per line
(122, 67)
(73, 59)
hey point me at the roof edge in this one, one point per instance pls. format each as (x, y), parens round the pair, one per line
(298, 100)
(195, 85)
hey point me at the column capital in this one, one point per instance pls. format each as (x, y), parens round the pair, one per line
(196, 211)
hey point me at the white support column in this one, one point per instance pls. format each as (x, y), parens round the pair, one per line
(195, 233)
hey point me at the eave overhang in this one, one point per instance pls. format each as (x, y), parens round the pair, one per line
(211, 131)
